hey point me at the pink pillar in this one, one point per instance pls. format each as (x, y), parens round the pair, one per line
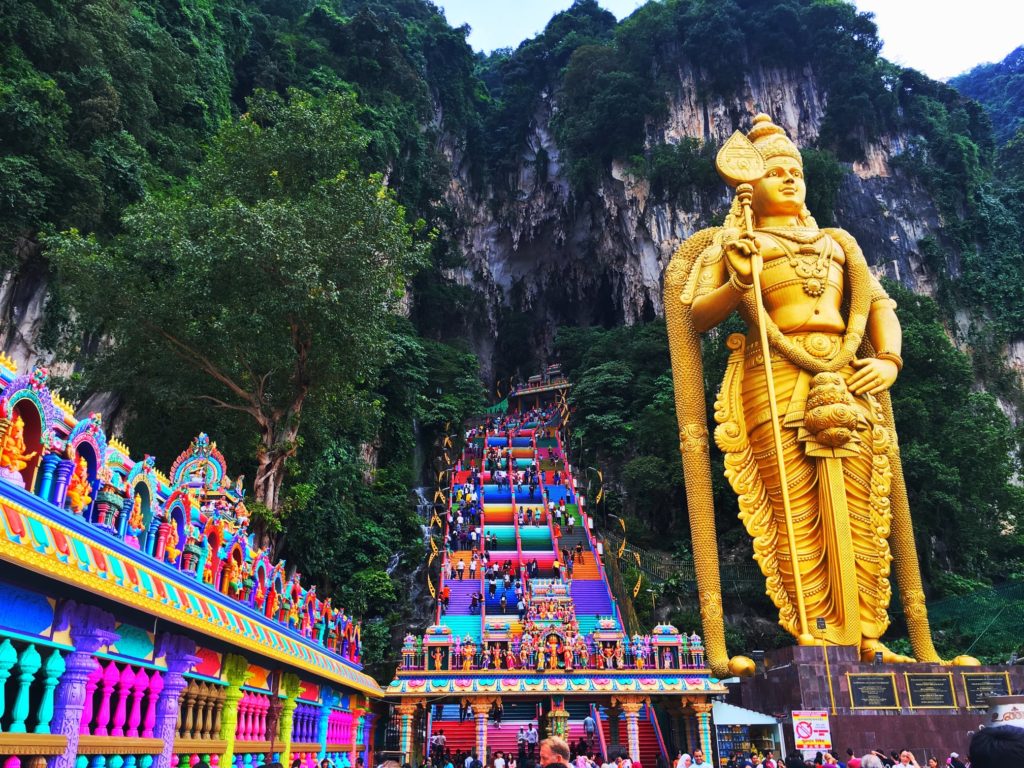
(124, 689)
(244, 718)
(90, 690)
(139, 688)
(262, 706)
(156, 684)
(111, 674)
(161, 541)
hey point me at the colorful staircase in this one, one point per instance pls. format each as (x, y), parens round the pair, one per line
(522, 544)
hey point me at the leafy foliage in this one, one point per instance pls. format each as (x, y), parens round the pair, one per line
(1000, 89)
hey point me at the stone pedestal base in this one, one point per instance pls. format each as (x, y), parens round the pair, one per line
(796, 679)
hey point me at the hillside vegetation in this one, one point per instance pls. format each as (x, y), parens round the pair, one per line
(167, 165)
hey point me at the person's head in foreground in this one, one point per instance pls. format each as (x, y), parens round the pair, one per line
(554, 751)
(998, 747)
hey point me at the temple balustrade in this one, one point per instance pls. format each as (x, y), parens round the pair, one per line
(193, 519)
(140, 625)
(77, 702)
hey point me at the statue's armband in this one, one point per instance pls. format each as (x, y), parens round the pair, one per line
(709, 274)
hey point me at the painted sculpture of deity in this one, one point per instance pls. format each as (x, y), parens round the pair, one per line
(14, 454)
(79, 487)
(806, 425)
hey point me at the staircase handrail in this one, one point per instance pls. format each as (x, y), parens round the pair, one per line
(480, 568)
(599, 730)
(653, 717)
(607, 587)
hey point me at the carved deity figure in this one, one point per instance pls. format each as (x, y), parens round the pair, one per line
(171, 550)
(79, 488)
(829, 514)
(14, 454)
(135, 519)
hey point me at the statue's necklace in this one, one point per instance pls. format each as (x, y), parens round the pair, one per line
(808, 262)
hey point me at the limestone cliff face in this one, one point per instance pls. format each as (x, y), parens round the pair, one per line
(600, 258)
(568, 259)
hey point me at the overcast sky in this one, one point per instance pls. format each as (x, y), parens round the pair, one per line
(941, 38)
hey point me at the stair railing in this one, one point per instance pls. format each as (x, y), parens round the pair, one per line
(599, 730)
(653, 716)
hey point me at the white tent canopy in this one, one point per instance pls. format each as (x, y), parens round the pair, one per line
(730, 714)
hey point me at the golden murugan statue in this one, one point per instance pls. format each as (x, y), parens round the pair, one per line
(14, 455)
(79, 488)
(808, 436)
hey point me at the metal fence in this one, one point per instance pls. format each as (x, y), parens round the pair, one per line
(993, 619)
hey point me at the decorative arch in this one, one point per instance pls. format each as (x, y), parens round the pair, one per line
(28, 409)
(261, 578)
(87, 450)
(275, 592)
(202, 461)
(139, 485)
(177, 518)
(235, 560)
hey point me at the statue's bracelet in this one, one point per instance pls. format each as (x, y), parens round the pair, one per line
(892, 357)
(739, 285)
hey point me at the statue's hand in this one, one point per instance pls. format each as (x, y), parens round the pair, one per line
(872, 376)
(738, 253)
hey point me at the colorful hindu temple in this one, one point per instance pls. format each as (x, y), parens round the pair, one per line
(527, 634)
(140, 625)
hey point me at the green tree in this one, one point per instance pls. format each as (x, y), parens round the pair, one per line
(267, 280)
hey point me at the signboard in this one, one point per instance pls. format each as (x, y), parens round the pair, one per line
(978, 686)
(873, 690)
(811, 731)
(930, 690)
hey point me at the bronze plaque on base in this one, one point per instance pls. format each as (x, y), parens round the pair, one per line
(978, 686)
(930, 690)
(873, 690)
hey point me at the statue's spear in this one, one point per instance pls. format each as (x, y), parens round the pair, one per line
(740, 164)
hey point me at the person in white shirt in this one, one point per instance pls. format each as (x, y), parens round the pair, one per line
(499, 761)
(699, 761)
(532, 737)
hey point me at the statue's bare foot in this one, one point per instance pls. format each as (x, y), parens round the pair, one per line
(870, 647)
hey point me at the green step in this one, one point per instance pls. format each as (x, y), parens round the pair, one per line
(535, 538)
(506, 535)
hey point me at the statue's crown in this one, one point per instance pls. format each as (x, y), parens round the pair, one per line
(770, 140)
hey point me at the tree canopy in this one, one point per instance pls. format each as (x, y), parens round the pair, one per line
(266, 280)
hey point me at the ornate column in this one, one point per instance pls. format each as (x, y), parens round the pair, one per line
(291, 687)
(368, 723)
(180, 656)
(358, 721)
(62, 476)
(328, 699)
(558, 718)
(630, 706)
(481, 707)
(47, 466)
(405, 711)
(90, 629)
(236, 672)
(702, 709)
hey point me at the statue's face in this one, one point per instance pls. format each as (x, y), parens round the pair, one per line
(782, 190)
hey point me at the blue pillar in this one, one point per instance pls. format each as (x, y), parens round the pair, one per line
(47, 467)
(328, 700)
(62, 476)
